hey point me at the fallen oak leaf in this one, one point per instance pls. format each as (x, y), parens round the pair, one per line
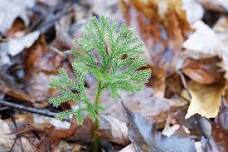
(205, 99)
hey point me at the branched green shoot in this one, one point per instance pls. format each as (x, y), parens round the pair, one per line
(113, 54)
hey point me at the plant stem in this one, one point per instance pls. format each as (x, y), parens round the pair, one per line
(97, 100)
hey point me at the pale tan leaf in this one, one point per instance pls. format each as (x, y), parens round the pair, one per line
(205, 99)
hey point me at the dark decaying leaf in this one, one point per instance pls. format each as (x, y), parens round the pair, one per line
(147, 139)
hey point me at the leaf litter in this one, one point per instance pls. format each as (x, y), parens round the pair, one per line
(174, 112)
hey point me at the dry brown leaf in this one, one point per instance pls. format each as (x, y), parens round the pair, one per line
(203, 71)
(205, 99)
(206, 42)
(33, 55)
(168, 13)
(162, 25)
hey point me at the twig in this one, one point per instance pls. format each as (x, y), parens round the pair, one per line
(57, 51)
(43, 112)
(184, 83)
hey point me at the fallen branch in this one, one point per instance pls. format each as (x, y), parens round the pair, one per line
(43, 112)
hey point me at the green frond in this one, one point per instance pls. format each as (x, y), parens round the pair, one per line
(112, 53)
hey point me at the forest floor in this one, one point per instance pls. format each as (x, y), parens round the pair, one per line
(183, 107)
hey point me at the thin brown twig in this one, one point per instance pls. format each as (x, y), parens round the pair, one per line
(43, 112)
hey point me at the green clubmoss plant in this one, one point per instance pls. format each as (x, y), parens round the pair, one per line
(113, 54)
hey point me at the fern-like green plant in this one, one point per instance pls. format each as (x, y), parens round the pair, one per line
(113, 54)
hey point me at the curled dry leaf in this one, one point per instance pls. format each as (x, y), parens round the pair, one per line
(205, 99)
(203, 71)
(198, 47)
